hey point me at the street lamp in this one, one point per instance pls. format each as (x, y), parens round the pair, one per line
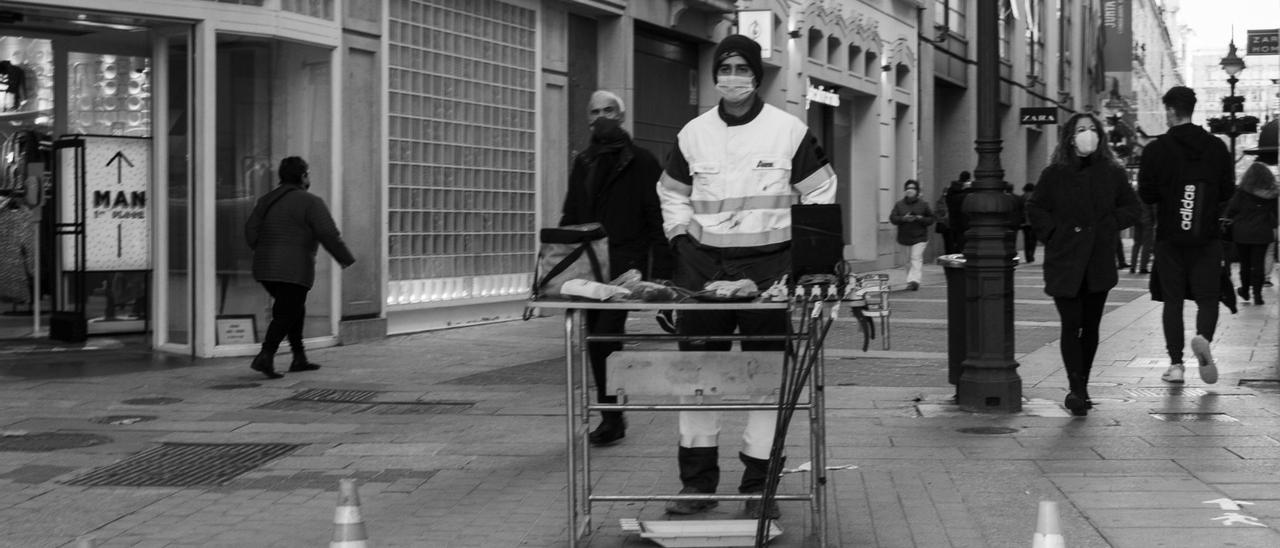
(1231, 104)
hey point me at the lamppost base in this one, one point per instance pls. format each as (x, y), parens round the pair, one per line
(990, 391)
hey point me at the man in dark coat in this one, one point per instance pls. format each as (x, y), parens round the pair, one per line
(913, 217)
(284, 230)
(951, 213)
(612, 183)
(1189, 175)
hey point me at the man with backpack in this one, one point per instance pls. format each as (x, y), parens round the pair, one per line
(1188, 175)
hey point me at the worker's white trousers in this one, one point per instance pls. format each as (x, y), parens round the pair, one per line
(702, 428)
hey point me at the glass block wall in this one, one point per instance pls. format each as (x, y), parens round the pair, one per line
(462, 150)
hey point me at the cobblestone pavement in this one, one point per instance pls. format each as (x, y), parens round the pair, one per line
(456, 438)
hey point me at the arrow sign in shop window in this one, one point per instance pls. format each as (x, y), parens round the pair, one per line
(120, 160)
(117, 213)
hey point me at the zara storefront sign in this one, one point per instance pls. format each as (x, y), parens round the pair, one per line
(117, 221)
(1036, 116)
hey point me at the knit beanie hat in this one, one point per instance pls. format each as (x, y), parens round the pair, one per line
(911, 184)
(738, 44)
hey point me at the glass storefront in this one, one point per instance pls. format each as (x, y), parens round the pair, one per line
(273, 101)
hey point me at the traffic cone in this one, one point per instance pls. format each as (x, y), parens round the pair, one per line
(348, 526)
(1048, 528)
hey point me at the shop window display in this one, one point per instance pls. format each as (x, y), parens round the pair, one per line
(273, 101)
(26, 104)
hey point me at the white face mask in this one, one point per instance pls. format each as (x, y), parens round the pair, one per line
(735, 89)
(1086, 143)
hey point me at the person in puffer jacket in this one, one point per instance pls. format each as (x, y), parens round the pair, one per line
(1252, 211)
(726, 193)
(284, 230)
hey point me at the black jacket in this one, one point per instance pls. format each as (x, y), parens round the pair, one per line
(1079, 211)
(1252, 211)
(912, 232)
(286, 238)
(1166, 158)
(624, 198)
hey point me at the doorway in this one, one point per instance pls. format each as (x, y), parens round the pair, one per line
(105, 239)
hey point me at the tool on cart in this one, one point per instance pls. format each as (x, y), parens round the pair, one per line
(799, 359)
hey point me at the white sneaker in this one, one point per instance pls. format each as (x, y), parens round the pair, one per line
(1208, 368)
(1173, 374)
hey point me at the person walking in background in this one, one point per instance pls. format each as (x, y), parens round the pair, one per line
(950, 208)
(1252, 214)
(284, 230)
(1081, 203)
(1188, 174)
(1144, 241)
(1028, 233)
(726, 194)
(912, 216)
(611, 183)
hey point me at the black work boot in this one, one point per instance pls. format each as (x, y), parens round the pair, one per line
(1257, 295)
(264, 363)
(754, 474)
(300, 362)
(613, 427)
(700, 474)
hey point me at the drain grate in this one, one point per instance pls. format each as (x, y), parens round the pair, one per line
(379, 408)
(418, 408)
(1194, 417)
(123, 420)
(185, 465)
(152, 401)
(40, 442)
(334, 395)
(1262, 385)
(1166, 392)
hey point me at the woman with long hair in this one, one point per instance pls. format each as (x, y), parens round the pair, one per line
(1081, 203)
(1252, 211)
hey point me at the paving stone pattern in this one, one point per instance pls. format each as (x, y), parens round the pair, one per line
(493, 474)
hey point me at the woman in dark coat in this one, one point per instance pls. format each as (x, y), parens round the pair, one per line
(1252, 211)
(1081, 203)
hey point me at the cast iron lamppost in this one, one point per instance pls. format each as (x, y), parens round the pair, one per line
(1231, 104)
(989, 381)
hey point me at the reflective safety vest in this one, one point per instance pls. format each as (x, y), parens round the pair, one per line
(732, 183)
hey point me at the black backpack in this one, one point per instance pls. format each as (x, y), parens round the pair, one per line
(1194, 206)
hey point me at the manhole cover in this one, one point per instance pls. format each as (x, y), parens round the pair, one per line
(50, 441)
(1166, 392)
(186, 465)
(234, 386)
(123, 420)
(151, 401)
(325, 394)
(1194, 417)
(987, 430)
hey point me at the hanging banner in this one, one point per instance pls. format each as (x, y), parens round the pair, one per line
(1117, 46)
(117, 220)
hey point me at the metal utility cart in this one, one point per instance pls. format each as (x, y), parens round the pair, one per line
(579, 401)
